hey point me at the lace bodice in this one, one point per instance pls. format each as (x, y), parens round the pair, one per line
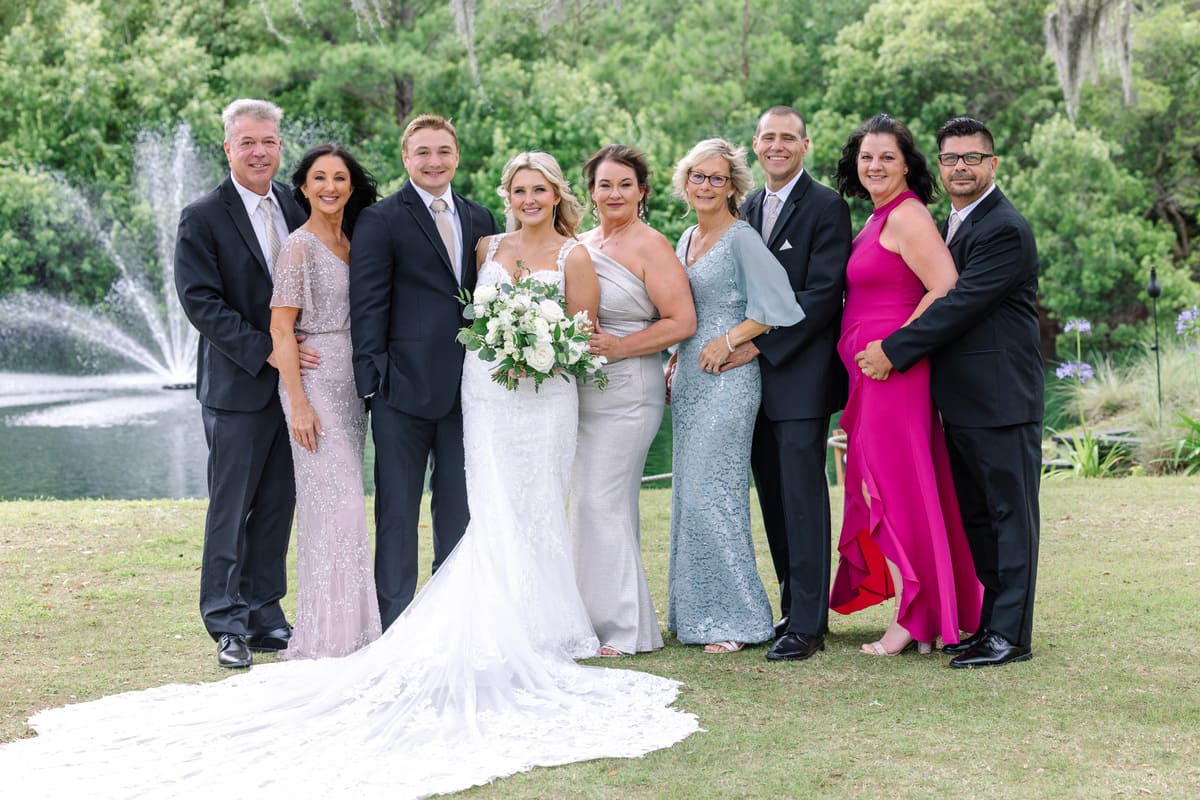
(493, 272)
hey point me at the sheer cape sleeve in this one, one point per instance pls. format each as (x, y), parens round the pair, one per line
(293, 273)
(770, 299)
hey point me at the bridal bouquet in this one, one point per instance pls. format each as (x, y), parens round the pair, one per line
(524, 326)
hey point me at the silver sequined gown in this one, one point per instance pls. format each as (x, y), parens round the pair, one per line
(714, 590)
(336, 607)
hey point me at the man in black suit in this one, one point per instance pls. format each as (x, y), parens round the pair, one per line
(412, 253)
(224, 254)
(988, 382)
(806, 226)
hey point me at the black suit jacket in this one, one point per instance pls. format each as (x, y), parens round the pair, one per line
(802, 376)
(404, 313)
(224, 286)
(982, 336)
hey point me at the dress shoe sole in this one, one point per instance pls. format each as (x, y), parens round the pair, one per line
(266, 646)
(998, 663)
(235, 664)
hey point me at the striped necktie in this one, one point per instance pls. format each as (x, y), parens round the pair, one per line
(266, 206)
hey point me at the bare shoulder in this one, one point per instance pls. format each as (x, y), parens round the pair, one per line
(579, 257)
(655, 251)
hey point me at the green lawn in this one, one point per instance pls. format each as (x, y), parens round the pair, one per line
(98, 597)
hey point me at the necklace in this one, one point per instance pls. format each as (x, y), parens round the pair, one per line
(699, 244)
(616, 233)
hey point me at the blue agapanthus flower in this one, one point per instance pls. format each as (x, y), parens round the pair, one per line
(1076, 369)
(1078, 325)
(1188, 322)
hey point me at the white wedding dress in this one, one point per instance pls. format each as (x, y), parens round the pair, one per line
(474, 681)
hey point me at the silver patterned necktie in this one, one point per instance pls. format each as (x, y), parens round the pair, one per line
(770, 217)
(445, 230)
(267, 206)
(952, 226)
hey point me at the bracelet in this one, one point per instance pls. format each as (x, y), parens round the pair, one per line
(728, 343)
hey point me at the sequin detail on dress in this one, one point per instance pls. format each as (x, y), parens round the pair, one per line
(337, 611)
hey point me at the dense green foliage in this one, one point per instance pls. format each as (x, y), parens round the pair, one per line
(1110, 193)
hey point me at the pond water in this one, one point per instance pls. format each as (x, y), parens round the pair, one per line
(124, 437)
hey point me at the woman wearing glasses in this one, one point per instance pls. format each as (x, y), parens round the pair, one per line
(902, 534)
(740, 291)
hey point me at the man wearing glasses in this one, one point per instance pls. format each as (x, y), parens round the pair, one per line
(806, 226)
(988, 382)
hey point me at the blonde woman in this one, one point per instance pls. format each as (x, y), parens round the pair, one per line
(740, 291)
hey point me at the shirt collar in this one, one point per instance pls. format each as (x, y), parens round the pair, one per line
(251, 199)
(783, 193)
(427, 198)
(964, 212)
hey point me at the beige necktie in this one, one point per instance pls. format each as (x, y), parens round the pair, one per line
(445, 229)
(952, 226)
(266, 206)
(770, 217)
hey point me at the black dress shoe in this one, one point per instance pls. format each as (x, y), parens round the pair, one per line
(966, 644)
(276, 639)
(795, 647)
(781, 627)
(993, 650)
(232, 651)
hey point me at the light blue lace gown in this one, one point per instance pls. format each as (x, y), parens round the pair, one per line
(714, 591)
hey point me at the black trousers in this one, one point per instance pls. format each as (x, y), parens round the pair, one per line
(404, 446)
(251, 499)
(788, 461)
(997, 475)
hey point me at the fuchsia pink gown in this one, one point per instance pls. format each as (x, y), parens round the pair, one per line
(895, 447)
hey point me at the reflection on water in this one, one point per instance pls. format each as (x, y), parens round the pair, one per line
(125, 437)
(116, 436)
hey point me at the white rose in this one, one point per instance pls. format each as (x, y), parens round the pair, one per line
(541, 328)
(504, 318)
(485, 294)
(575, 351)
(540, 356)
(551, 311)
(519, 302)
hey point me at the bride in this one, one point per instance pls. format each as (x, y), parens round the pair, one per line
(474, 681)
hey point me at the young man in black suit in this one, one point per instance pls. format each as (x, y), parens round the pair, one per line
(988, 382)
(806, 226)
(412, 253)
(224, 254)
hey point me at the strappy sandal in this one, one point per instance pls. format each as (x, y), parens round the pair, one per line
(723, 647)
(877, 648)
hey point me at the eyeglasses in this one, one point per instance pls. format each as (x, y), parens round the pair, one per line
(715, 181)
(970, 159)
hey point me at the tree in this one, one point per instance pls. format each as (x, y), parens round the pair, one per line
(1096, 250)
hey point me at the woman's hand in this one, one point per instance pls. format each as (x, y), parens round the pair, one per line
(305, 425)
(605, 344)
(714, 354)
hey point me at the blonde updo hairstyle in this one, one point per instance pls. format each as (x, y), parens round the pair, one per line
(741, 179)
(567, 212)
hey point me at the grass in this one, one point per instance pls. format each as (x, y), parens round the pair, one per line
(98, 597)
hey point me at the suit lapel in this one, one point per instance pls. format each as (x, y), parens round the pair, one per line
(241, 221)
(754, 209)
(467, 257)
(424, 219)
(789, 208)
(977, 214)
(293, 214)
